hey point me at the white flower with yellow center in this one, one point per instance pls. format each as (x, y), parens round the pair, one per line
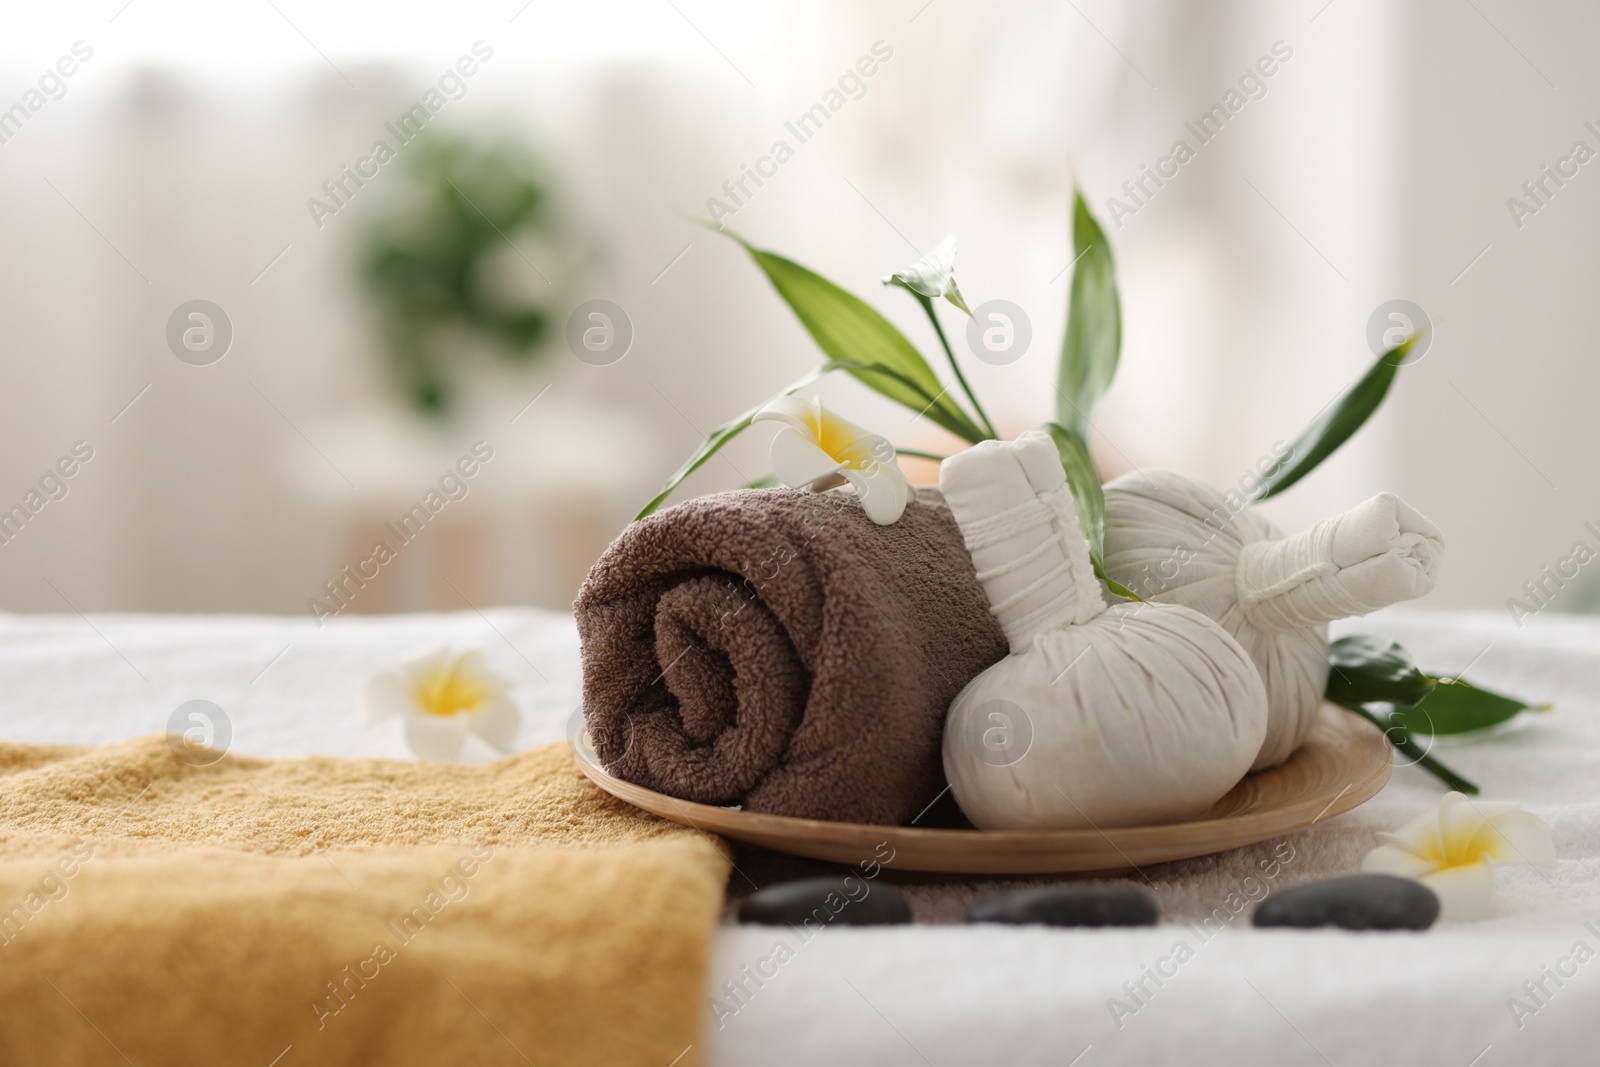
(818, 450)
(443, 697)
(1453, 850)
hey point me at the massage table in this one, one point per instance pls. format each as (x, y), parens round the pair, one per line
(1521, 986)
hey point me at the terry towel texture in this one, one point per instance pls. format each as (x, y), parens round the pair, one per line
(339, 911)
(779, 650)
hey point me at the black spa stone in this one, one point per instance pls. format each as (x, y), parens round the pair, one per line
(1100, 905)
(1354, 902)
(815, 903)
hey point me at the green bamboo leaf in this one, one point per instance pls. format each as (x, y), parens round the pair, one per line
(944, 342)
(1083, 478)
(1370, 670)
(1402, 740)
(1336, 424)
(880, 373)
(849, 330)
(769, 482)
(1455, 707)
(1093, 340)
(721, 436)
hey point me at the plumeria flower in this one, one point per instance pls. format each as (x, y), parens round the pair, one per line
(443, 696)
(818, 450)
(933, 276)
(1452, 851)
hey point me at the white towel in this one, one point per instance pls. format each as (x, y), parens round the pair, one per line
(956, 995)
(1030, 997)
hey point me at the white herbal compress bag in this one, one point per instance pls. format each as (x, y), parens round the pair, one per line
(1102, 715)
(1173, 539)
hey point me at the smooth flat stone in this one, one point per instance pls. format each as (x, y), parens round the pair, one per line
(1105, 905)
(840, 900)
(1355, 902)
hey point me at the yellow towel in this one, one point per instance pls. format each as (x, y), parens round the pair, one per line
(278, 913)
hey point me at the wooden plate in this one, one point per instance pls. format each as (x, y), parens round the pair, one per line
(1344, 763)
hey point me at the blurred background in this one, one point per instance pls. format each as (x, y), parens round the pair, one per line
(375, 323)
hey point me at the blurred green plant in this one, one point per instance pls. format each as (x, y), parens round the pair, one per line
(430, 265)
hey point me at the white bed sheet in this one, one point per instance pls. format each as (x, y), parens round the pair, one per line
(950, 994)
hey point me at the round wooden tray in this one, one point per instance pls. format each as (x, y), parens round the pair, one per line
(1344, 763)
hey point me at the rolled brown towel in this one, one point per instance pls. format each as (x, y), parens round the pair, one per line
(778, 650)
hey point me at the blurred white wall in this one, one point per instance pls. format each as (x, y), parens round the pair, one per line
(1497, 429)
(1374, 165)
